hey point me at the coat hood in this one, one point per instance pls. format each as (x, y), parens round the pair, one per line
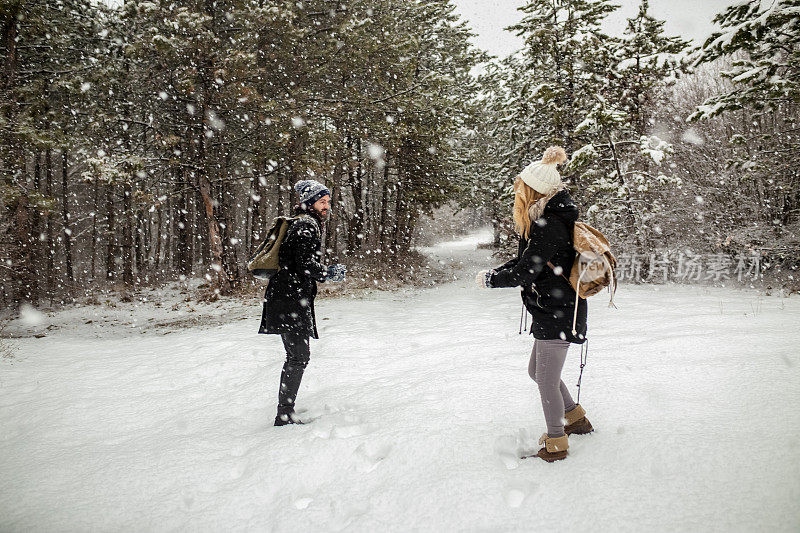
(563, 206)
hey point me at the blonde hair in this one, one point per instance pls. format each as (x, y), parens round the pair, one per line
(524, 198)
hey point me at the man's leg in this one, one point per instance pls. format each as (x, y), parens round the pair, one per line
(298, 353)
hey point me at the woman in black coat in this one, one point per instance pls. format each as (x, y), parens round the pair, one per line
(544, 215)
(289, 299)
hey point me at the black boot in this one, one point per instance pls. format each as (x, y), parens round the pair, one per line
(287, 419)
(291, 376)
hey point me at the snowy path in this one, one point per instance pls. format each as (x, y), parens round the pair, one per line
(423, 404)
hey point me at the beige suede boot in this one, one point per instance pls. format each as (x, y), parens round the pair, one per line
(577, 423)
(555, 448)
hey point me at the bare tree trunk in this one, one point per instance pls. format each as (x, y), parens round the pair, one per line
(25, 276)
(127, 233)
(355, 227)
(226, 217)
(50, 244)
(496, 217)
(196, 222)
(250, 219)
(358, 201)
(369, 208)
(332, 227)
(111, 238)
(34, 221)
(220, 279)
(65, 218)
(159, 229)
(409, 223)
(95, 207)
(25, 243)
(399, 211)
(141, 245)
(183, 255)
(383, 228)
(398, 216)
(168, 248)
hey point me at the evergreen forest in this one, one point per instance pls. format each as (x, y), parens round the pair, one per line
(143, 142)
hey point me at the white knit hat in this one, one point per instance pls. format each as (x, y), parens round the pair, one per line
(542, 176)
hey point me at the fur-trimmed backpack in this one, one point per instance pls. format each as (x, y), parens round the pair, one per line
(264, 263)
(593, 268)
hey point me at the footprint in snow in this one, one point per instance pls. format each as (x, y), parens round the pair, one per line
(302, 503)
(518, 493)
(514, 498)
(339, 425)
(369, 455)
(238, 469)
(239, 450)
(310, 414)
(343, 515)
(355, 430)
(342, 428)
(512, 448)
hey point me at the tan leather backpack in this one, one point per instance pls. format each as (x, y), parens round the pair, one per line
(593, 268)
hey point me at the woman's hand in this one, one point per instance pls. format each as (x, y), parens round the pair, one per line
(483, 279)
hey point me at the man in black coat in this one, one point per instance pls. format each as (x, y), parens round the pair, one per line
(289, 298)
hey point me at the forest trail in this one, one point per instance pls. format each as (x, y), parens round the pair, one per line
(422, 407)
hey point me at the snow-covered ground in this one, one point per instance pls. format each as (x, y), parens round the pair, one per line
(422, 406)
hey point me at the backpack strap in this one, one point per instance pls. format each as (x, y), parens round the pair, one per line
(613, 282)
(577, 294)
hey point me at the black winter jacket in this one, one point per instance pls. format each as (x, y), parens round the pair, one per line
(289, 298)
(548, 297)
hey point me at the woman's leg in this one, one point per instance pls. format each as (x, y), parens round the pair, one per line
(532, 362)
(550, 356)
(569, 403)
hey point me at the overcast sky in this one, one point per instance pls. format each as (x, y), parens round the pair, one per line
(690, 19)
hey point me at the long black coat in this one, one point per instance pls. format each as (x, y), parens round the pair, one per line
(289, 298)
(549, 298)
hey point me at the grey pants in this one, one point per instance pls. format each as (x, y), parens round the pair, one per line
(547, 360)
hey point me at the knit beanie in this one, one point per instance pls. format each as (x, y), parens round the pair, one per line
(310, 191)
(542, 176)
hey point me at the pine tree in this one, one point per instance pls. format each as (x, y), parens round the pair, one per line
(190, 121)
(763, 41)
(48, 49)
(544, 94)
(647, 59)
(760, 42)
(565, 59)
(625, 161)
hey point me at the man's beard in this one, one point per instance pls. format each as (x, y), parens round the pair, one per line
(324, 215)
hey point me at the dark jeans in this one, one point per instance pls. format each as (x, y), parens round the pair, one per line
(298, 352)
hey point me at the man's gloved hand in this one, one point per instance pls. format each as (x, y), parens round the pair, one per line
(336, 272)
(483, 277)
